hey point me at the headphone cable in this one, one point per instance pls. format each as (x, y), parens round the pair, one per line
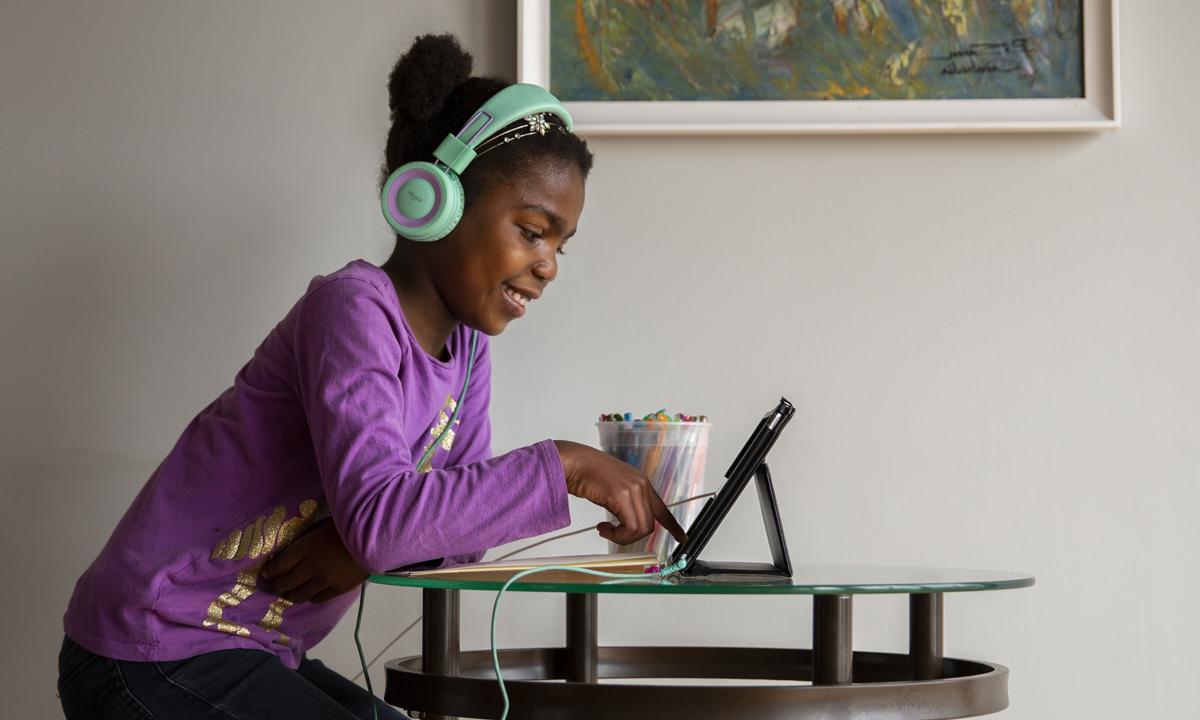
(366, 666)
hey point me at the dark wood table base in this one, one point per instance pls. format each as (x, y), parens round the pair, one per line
(444, 682)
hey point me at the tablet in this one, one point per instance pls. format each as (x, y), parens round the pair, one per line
(748, 463)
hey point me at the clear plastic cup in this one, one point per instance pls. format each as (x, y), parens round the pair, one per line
(671, 454)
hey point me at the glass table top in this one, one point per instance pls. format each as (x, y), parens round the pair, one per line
(805, 580)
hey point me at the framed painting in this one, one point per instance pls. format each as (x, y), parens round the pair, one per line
(824, 66)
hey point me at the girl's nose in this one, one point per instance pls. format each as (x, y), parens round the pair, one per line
(546, 269)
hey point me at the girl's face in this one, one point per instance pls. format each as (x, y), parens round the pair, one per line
(504, 252)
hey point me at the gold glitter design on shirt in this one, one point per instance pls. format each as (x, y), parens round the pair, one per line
(257, 540)
(290, 529)
(443, 419)
(274, 615)
(244, 588)
(270, 531)
(226, 548)
(243, 548)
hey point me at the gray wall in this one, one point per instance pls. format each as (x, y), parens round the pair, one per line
(992, 340)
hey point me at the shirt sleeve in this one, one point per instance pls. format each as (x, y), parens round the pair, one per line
(387, 513)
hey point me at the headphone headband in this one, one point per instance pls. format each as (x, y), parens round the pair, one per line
(511, 103)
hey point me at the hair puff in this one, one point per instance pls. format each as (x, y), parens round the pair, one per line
(425, 76)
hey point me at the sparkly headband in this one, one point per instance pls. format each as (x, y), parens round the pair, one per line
(535, 124)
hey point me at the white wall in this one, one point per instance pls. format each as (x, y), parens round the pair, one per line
(993, 341)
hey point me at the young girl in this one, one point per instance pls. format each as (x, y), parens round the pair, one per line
(341, 449)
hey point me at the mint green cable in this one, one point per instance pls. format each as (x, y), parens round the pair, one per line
(362, 658)
(660, 574)
(362, 597)
(462, 395)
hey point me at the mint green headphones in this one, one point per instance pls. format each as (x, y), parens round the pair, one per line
(423, 201)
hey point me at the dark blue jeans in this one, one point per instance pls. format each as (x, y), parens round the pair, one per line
(225, 685)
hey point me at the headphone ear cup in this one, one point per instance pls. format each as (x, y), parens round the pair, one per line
(422, 201)
(455, 201)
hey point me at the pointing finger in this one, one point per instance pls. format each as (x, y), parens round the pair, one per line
(663, 514)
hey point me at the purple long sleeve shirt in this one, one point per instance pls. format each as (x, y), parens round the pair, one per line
(332, 414)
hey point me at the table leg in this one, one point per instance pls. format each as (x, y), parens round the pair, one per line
(582, 652)
(925, 635)
(439, 635)
(833, 649)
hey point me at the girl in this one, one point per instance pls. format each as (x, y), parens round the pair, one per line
(340, 450)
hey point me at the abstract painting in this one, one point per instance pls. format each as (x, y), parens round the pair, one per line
(806, 50)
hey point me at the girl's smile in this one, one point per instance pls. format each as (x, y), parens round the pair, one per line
(517, 299)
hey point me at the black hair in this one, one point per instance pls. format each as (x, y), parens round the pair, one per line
(431, 94)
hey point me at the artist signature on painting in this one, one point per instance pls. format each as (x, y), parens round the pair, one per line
(986, 58)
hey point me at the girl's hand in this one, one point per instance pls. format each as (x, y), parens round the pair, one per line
(619, 488)
(314, 567)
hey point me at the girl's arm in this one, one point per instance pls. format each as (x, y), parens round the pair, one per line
(386, 512)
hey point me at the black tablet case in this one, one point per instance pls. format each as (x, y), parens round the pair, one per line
(750, 462)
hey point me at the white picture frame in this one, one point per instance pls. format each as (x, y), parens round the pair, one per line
(1099, 109)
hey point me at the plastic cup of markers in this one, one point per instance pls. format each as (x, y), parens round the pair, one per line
(671, 454)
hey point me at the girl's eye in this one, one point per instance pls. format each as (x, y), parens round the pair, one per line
(534, 236)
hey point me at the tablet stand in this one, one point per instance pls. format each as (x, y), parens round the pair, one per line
(781, 564)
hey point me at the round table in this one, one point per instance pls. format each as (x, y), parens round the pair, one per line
(831, 680)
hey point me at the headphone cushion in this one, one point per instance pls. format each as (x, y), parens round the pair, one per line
(422, 201)
(456, 204)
